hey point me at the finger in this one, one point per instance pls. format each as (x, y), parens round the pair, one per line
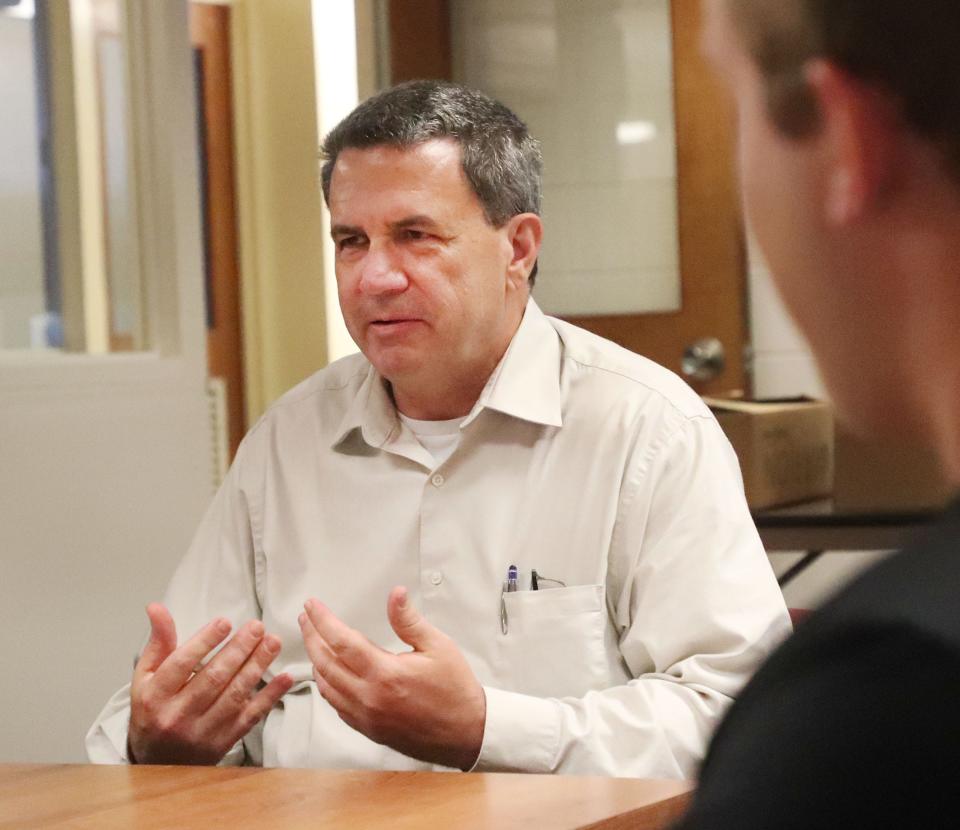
(162, 642)
(409, 625)
(353, 649)
(316, 646)
(346, 705)
(259, 706)
(177, 669)
(236, 695)
(326, 662)
(209, 683)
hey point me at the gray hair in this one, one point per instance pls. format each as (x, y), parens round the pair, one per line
(501, 160)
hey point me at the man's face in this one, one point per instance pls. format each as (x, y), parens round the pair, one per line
(425, 282)
(821, 271)
(777, 174)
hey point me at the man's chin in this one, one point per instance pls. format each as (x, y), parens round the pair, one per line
(395, 365)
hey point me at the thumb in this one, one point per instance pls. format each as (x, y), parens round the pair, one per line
(163, 638)
(409, 625)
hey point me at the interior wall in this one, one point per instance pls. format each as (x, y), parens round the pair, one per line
(338, 43)
(101, 489)
(279, 210)
(367, 46)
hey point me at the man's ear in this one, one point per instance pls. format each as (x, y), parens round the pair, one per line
(860, 132)
(525, 233)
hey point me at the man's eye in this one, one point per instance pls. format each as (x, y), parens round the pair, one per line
(415, 235)
(346, 242)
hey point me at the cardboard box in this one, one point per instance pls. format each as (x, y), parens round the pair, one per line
(785, 447)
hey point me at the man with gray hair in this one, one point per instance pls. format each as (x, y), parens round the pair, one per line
(573, 580)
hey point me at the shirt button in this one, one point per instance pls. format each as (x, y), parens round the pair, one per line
(437, 480)
(436, 577)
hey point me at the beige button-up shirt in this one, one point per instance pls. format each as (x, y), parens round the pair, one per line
(580, 460)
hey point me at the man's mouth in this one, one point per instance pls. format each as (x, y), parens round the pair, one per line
(394, 324)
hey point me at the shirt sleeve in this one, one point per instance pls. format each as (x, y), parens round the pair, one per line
(695, 606)
(217, 577)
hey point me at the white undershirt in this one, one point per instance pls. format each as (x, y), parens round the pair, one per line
(439, 438)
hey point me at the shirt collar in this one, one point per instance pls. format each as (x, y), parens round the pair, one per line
(526, 382)
(372, 411)
(525, 385)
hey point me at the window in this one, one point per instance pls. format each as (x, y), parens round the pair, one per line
(70, 264)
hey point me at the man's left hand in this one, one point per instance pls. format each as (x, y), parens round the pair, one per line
(426, 703)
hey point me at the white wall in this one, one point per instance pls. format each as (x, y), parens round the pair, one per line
(784, 367)
(101, 486)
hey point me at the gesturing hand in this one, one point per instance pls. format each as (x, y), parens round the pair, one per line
(180, 714)
(426, 703)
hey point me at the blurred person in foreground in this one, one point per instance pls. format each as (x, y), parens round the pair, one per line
(849, 152)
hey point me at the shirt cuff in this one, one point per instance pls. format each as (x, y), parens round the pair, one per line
(521, 733)
(106, 742)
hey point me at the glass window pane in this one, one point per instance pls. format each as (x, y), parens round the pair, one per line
(22, 300)
(594, 81)
(69, 246)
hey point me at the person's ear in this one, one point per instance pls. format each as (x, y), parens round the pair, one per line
(525, 233)
(859, 132)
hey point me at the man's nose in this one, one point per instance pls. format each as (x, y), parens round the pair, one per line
(380, 273)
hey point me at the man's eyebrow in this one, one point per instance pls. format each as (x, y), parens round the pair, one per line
(346, 230)
(408, 221)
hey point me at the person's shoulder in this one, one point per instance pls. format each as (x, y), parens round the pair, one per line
(322, 398)
(859, 701)
(917, 586)
(840, 717)
(904, 604)
(605, 367)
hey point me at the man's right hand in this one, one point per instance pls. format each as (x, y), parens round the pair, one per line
(181, 713)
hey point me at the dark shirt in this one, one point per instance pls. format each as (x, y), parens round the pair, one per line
(855, 720)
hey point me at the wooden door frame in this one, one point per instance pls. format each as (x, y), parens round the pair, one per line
(210, 34)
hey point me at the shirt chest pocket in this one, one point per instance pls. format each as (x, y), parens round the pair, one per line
(554, 643)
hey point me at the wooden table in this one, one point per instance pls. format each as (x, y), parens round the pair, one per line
(233, 798)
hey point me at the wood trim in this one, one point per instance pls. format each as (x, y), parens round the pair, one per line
(420, 42)
(210, 32)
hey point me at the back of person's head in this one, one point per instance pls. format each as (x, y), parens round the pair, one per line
(501, 160)
(909, 50)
